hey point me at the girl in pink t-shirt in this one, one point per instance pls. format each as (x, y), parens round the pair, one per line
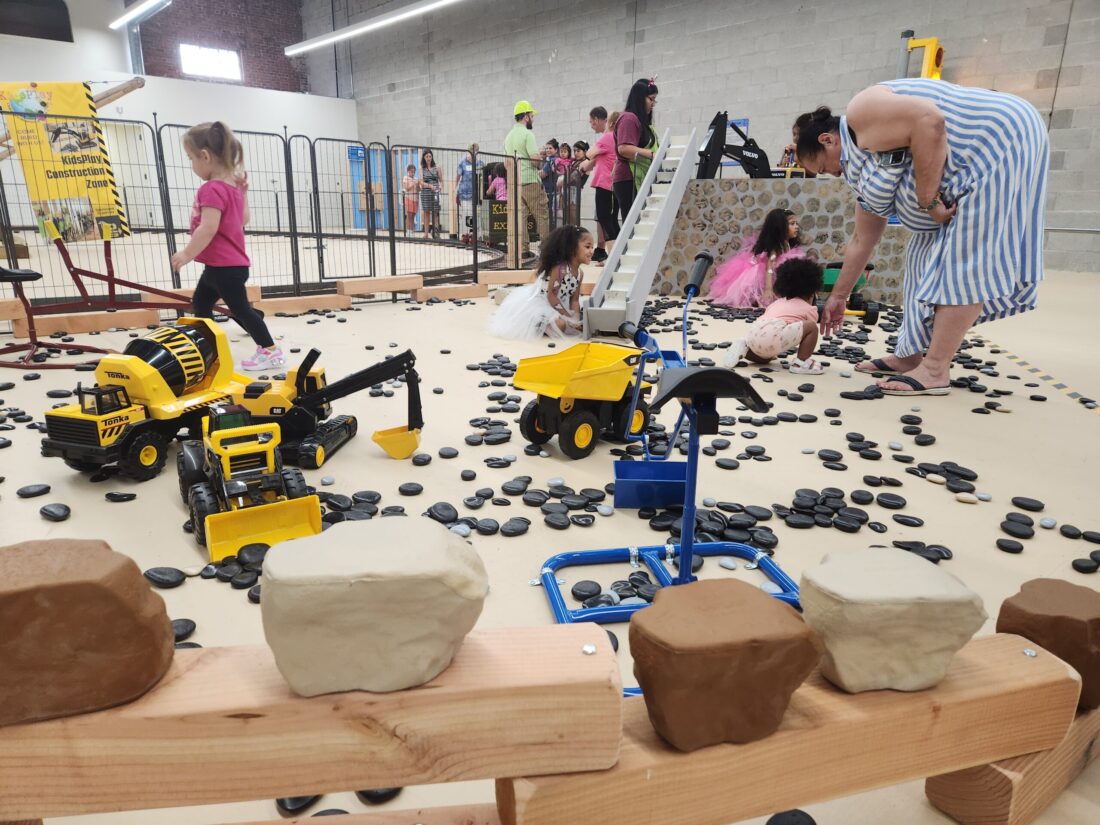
(218, 219)
(789, 322)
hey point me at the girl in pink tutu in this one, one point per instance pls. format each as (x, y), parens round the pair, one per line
(747, 280)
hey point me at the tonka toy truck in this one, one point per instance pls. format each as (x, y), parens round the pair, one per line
(236, 488)
(167, 381)
(583, 393)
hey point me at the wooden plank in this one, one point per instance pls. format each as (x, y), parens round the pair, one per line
(447, 291)
(254, 293)
(450, 815)
(995, 702)
(75, 322)
(304, 303)
(511, 702)
(10, 309)
(373, 286)
(588, 287)
(506, 276)
(1016, 791)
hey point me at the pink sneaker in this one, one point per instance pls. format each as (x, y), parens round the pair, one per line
(264, 359)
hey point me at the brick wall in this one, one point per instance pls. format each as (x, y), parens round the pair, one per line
(453, 76)
(258, 29)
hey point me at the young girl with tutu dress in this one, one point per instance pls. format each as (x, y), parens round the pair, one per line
(551, 305)
(748, 279)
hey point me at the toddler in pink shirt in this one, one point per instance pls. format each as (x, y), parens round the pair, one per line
(789, 322)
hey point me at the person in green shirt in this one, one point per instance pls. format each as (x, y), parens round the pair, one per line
(521, 143)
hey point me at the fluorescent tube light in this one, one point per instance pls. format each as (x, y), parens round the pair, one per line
(139, 12)
(369, 25)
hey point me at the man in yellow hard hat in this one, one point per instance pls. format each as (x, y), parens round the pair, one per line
(521, 143)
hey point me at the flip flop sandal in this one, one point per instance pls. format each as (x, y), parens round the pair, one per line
(917, 387)
(879, 365)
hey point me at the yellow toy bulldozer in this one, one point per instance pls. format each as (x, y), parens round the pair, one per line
(167, 381)
(236, 488)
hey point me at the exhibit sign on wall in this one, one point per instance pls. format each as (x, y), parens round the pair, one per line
(55, 132)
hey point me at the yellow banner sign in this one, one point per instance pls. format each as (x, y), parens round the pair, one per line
(55, 132)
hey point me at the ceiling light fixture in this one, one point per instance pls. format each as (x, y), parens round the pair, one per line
(369, 25)
(139, 12)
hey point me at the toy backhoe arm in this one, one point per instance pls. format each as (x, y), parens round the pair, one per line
(402, 364)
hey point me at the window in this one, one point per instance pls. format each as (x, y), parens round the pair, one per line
(203, 62)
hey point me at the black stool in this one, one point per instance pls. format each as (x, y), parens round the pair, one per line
(18, 277)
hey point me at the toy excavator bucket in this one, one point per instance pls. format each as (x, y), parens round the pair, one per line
(295, 518)
(398, 442)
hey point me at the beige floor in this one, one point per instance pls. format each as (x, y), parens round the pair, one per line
(1044, 450)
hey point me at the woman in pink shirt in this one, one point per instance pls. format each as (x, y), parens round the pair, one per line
(789, 322)
(601, 160)
(218, 219)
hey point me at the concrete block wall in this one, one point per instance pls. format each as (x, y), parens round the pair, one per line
(452, 77)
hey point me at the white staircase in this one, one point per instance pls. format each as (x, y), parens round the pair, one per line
(632, 264)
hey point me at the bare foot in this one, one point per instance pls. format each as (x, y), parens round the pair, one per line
(922, 373)
(893, 363)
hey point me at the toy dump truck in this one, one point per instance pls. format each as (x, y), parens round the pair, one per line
(583, 393)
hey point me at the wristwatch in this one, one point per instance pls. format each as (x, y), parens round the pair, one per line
(931, 204)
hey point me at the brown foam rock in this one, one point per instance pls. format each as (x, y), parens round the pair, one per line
(80, 630)
(888, 618)
(1064, 618)
(376, 605)
(717, 661)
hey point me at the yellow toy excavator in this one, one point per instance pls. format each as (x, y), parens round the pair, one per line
(168, 381)
(236, 488)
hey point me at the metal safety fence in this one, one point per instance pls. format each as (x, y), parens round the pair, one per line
(321, 209)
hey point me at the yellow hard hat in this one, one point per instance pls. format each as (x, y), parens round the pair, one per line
(523, 108)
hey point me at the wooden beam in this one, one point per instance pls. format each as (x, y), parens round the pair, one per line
(1016, 791)
(995, 702)
(304, 303)
(75, 322)
(513, 701)
(254, 293)
(588, 287)
(373, 286)
(10, 309)
(506, 276)
(450, 815)
(447, 291)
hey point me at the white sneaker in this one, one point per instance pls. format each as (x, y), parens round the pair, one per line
(735, 353)
(264, 359)
(807, 367)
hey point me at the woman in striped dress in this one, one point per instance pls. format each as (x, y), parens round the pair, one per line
(965, 170)
(429, 193)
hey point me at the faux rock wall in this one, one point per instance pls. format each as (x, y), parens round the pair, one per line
(717, 215)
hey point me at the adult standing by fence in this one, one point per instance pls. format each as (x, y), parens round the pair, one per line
(635, 144)
(429, 193)
(965, 170)
(521, 143)
(464, 188)
(601, 162)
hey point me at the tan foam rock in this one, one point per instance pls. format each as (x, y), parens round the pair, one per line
(376, 605)
(1064, 618)
(888, 618)
(80, 630)
(718, 661)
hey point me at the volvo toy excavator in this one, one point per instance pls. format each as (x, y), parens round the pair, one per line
(167, 381)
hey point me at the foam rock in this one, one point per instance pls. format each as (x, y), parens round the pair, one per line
(718, 661)
(81, 630)
(376, 605)
(1064, 618)
(888, 618)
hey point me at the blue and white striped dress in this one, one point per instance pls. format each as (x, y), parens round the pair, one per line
(991, 252)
